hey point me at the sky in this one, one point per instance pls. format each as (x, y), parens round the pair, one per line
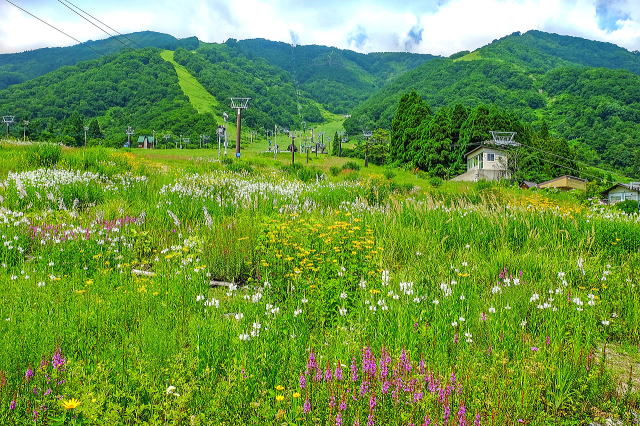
(440, 27)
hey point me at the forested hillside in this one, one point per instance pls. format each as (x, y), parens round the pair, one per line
(596, 109)
(18, 67)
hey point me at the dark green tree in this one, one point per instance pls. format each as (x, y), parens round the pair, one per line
(411, 112)
(94, 130)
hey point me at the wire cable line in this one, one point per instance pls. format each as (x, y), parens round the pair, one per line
(92, 23)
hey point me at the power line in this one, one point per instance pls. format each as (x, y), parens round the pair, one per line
(98, 20)
(55, 28)
(91, 22)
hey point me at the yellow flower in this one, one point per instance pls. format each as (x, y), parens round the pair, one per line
(70, 404)
(279, 398)
(296, 394)
(280, 388)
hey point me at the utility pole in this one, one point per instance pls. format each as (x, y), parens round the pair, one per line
(367, 134)
(225, 116)
(154, 139)
(129, 132)
(293, 147)
(8, 120)
(24, 134)
(86, 128)
(166, 139)
(239, 104)
(219, 132)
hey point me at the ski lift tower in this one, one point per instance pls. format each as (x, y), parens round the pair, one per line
(25, 123)
(367, 135)
(239, 104)
(129, 132)
(8, 120)
(504, 138)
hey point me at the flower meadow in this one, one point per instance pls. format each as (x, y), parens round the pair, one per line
(135, 291)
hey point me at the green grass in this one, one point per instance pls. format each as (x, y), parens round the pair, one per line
(201, 100)
(453, 276)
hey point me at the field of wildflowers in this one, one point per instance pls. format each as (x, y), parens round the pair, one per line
(352, 301)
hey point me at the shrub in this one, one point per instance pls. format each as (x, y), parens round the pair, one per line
(435, 181)
(334, 170)
(44, 155)
(389, 174)
(351, 165)
(628, 206)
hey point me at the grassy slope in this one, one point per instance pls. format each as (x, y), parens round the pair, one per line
(201, 100)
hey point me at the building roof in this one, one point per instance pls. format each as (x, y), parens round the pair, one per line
(529, 184)
(150, 139)
(633, 186)
(562, 177)
(485, 144)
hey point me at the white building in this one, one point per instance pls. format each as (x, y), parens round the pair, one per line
(485, 162)
(623, 192)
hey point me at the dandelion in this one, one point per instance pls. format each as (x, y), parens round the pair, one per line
(279, 398)
(70, 404)
(296, 395)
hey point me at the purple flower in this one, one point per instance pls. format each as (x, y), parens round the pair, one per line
(327, 374)
(12, 406)
(343, 405)
(338, 372)
(311, 364)
(28, 374)
(417, 396)
(332, 401)
(462, 415)
(370, 420)
(476, 422)
(303, 381)
(47, 392)
(455, 338)
(339, 419)
(427, 421)
(547, 340)
(354, 370)
(535, 349)
(318, 376)
(446, 413)
(35, 391)
(58, 360)
(453, 378)
(385, 387)
(307, 406)
(368, 362)
(364, 387)
(483, 316)
(372, 402)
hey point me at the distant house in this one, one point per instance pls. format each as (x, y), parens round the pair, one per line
(528, 185)
(485, 162)
(146, 142)
(623, 192)
(565, 183)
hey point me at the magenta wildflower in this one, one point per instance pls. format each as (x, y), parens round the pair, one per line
(535, 348)
(13, 404)
(427, 421)
(385, 387)
(28, 374)
(47, 392)
(370, 421)
(446, 413)
(58, 361)
(311, 363)
(343, 405)
(453, 378)
(405, 364)
(332, 401)
(417, 396)
(356, 422)
(35, 391)
(338, 373)
(303, 381)
(368, 362)
(318, 376)
(372, 402)
(339, 419)
(327, 374)
(547, 340)
(306, 407)
(462, 415)
(354, 370)
(476, 422)
(455, 338)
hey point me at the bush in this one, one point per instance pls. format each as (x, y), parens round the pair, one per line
(334, 170)
(44, 155)
(389, 174)
(351, 165)
(628, 206)
(435, 181)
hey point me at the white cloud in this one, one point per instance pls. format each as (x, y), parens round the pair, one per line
(447, 26)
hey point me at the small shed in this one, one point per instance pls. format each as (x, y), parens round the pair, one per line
(565, 183)
(146, 142)
(623, 192)
(528, 185)
(485, 162)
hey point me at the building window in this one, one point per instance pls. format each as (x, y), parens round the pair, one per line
(491, 157)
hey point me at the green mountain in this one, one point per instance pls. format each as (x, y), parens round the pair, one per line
(189, 78)
(544, 78)
(19, 67)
